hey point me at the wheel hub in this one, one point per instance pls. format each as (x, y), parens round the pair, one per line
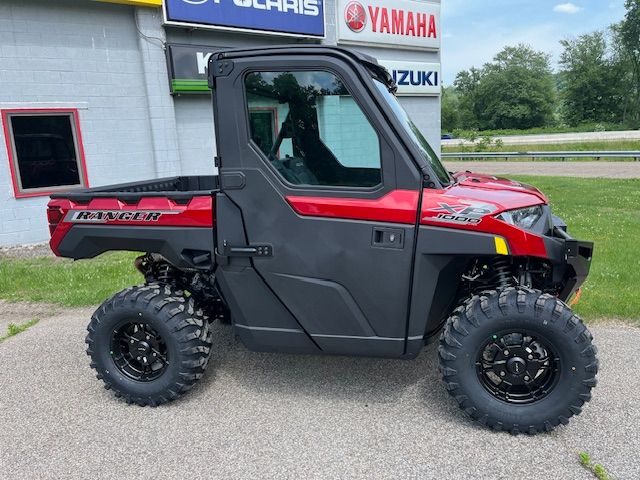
(516, 366)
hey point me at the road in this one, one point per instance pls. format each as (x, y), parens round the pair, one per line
(555, 169)
(281, 416)
(557, 138)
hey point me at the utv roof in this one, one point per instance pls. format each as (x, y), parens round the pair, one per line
(371, 63)
(296, 49)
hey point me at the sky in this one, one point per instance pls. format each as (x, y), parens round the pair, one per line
(473, 31)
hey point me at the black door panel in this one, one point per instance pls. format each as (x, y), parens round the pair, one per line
(341, 286)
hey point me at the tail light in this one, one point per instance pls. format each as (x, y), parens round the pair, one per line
(54, 215)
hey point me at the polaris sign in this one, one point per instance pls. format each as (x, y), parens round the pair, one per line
(304, 18)
(414, 78)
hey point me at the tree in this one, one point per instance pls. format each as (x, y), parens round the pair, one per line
(627, 38)
(590, 81)
(466, 85)
(450, 109)
(516, 90)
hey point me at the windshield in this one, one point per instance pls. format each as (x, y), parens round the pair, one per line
(415, 135)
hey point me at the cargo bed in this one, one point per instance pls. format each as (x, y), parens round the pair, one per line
(172, 216)
(175, 188)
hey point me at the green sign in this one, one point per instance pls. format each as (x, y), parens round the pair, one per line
(188, 67)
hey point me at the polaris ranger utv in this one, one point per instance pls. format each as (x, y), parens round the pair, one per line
(333, 228)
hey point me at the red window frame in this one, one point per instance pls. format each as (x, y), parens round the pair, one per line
(18, 192)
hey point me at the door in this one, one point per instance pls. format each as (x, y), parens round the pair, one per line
(330, 225)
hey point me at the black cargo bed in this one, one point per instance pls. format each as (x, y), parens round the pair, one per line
(180, 189)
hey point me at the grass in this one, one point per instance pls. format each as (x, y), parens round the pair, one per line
(597, 469)
(606, 212)
(67, 283)
(13, 329)
(602, 210)
(556, 147)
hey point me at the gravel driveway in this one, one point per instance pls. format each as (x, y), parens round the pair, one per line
(281, 416)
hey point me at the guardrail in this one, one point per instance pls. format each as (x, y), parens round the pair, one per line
(534, 155)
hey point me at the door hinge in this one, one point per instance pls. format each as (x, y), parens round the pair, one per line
(217, 161)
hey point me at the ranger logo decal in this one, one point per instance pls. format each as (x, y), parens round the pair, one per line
(470, 214)
(104, 216)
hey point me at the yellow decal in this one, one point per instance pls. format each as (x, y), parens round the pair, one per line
(501, 246)
(137, 3)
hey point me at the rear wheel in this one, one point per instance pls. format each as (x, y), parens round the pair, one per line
(518, 360)
(149, 344)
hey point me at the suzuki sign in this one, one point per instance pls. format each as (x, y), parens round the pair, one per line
(389, 23)
(304, 18)
(414, 78)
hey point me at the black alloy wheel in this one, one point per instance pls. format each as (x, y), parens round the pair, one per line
(518, 367)
(139, 351)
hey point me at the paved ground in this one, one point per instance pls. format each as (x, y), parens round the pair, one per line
(280, 416)
(558, 138)
(552, 169)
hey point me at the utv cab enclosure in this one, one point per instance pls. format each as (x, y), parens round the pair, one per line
(333, 228)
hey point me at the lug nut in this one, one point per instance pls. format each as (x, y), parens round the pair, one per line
(506, 352)
(530, 357)
(502, 374)
(526, 378)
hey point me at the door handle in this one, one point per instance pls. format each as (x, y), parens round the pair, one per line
(388, 238)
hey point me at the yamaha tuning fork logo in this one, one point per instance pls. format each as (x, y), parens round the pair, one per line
(356, 16)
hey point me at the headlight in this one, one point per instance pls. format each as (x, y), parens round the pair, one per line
(523, 217)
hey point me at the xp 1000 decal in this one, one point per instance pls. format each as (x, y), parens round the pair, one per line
(467, 214)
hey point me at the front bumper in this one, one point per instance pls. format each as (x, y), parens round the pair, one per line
(571, 260)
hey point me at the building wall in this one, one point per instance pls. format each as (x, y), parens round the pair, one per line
(82, 56)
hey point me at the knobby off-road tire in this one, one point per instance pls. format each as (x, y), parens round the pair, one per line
(182, 337)
(486, 317)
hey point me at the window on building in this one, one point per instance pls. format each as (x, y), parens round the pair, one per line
(45, 151)
(312, 130)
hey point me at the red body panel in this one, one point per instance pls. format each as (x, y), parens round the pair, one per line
(198, 212)
(399, 206)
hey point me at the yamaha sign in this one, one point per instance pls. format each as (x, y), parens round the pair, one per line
(413, 24)
(414, 78)
(304, 18)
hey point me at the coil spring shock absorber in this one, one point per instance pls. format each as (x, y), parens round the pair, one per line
(501, 275)
(166, 273)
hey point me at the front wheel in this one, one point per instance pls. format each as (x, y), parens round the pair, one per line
(149, 344)
(518, 360)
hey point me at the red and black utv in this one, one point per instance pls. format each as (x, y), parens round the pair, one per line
(333, 228)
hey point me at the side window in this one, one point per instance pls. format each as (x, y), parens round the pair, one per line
(312, 130)
(45, 153)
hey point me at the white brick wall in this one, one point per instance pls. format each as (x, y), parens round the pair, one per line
(77, 54)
